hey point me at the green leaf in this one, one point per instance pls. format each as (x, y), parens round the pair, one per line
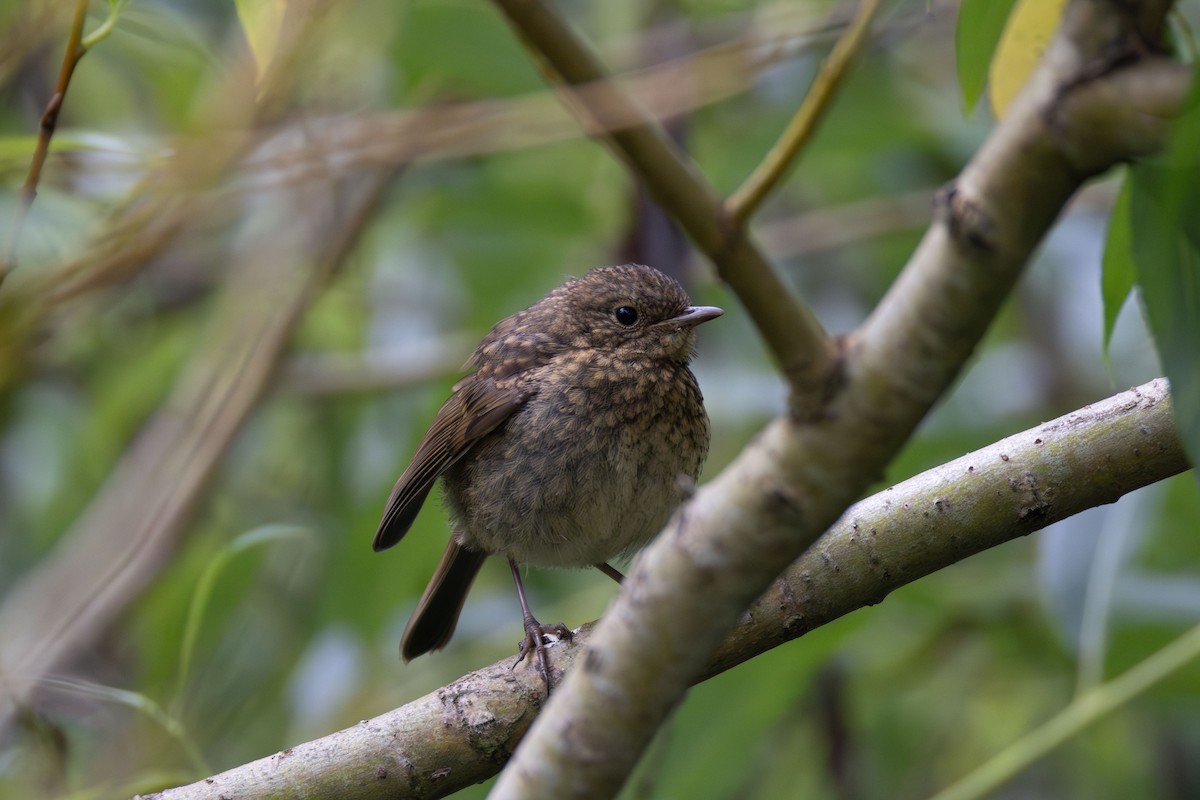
(1165, 206)
(1117, 270)
(980, 23)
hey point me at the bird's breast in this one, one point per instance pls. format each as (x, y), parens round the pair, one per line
(589, 468)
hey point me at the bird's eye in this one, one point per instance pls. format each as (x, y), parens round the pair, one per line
(626, 315)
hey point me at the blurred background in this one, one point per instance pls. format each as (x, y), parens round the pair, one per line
(267, 237)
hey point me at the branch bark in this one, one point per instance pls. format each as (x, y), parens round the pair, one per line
(463, 733)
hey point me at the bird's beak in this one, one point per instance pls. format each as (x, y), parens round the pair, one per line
(694, 315)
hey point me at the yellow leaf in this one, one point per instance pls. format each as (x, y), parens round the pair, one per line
(261, 19)
(1029, 28)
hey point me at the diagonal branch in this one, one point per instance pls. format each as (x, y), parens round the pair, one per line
(462, 734)
(136, 521)
(747, 198)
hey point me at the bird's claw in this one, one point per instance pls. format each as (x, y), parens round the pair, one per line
(535, 641)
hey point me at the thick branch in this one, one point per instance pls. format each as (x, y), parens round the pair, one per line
(463, 733)
(739, 531)
(1009, 489)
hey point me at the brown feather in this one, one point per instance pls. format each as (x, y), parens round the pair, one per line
(433, 623)
(485, 404)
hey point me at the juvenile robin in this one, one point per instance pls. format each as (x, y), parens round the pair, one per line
(569, 444)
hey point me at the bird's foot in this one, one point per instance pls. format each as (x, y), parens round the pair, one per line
(537, 636)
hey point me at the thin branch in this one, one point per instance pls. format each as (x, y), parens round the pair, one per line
(747, 198)
(791, 331)
(461, 734)
(322, 375)
(823, 229)
(49, 121)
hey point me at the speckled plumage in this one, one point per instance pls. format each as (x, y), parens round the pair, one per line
(569, 443)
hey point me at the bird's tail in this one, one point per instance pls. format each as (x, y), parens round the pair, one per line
(432, 624)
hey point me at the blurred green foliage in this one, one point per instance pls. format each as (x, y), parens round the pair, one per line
(299, 635)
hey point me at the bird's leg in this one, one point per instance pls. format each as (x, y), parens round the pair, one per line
(535, 632)
(610, 572)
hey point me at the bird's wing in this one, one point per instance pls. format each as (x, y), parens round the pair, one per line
(484, 403)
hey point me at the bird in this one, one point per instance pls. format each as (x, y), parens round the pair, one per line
(577, 432)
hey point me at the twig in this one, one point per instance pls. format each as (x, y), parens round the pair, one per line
(747, 198)
(824, 229)
(77, 48)
(321, 375)
(75, 51)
